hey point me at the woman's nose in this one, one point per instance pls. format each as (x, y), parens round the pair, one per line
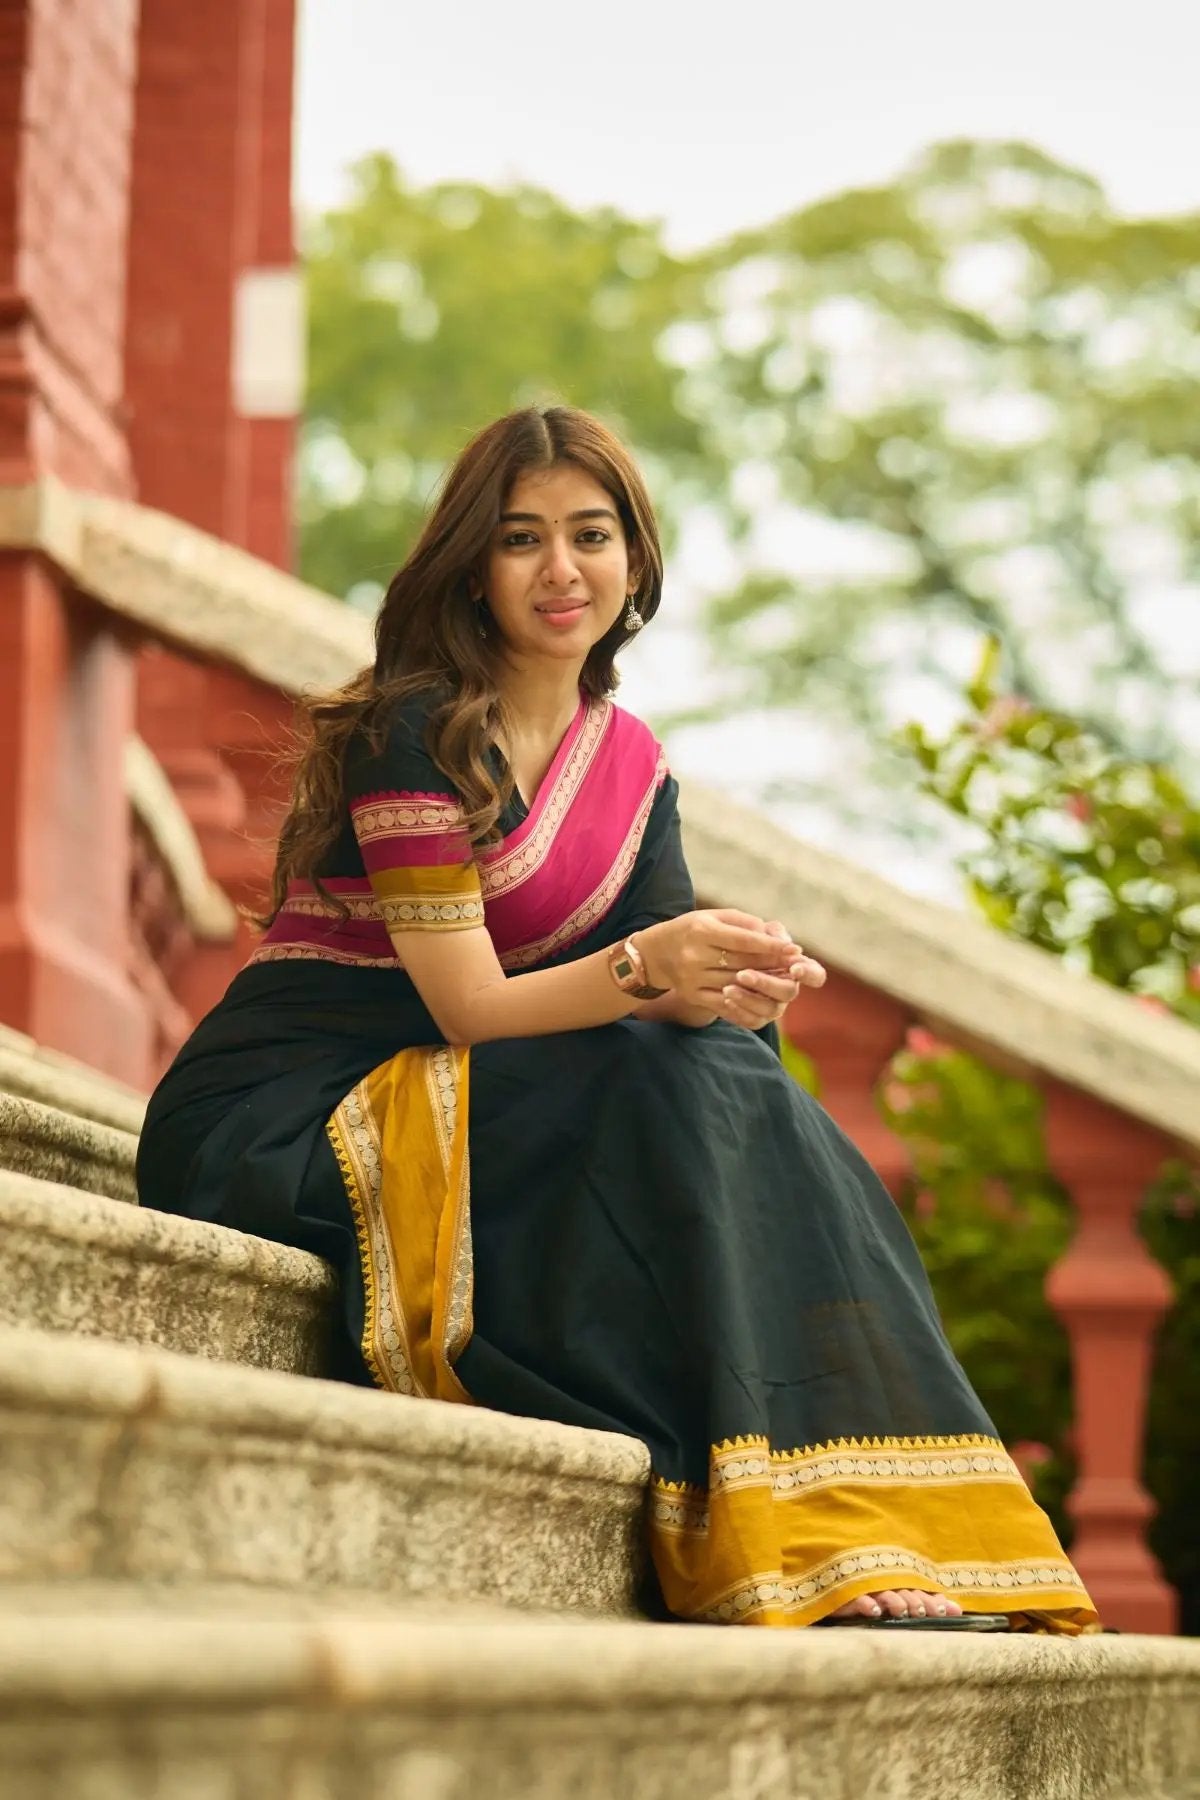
(559, 564)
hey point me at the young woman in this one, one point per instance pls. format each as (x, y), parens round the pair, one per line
(490, 1060)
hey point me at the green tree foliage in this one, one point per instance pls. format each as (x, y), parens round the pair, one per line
(433, 310)
(992, 383)
(977, 385)
(1096, 857)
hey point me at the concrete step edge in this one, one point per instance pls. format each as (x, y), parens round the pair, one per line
(535, 1710)
(33, 1072)
(94, 1378)
(493, 1661)
(127, 1465)
(78, 1262)
(45, 1141)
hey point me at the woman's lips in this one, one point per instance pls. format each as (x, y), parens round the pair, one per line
(561, 616)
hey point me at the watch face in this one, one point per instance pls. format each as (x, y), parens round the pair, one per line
(624, 968)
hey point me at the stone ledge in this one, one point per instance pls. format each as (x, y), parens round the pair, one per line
(208, 912)
(129, 1464)
(57, 1146)
(950, 968)
(186, 588)
(80, 1263)
(535, 1710)
(34, 1073)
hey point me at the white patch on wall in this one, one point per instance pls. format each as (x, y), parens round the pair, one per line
(268, 344)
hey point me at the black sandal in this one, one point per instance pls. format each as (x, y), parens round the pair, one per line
(928, 1622)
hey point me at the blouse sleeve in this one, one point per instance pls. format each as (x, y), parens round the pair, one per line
(408, 820)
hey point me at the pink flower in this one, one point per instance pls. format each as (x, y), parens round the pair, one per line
(997, 1197)
(1151, 1003)
(1081, 807)
(1000, 715)
(923, 1043)
(1029, 1457)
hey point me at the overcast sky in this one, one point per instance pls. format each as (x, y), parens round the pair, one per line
(714, 116)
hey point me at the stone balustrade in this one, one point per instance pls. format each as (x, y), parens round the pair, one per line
(120, 624)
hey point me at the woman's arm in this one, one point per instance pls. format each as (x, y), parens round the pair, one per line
(472, 1000)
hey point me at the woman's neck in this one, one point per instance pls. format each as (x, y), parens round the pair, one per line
(540, 703)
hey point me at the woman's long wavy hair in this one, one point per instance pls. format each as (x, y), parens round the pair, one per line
(428, 634)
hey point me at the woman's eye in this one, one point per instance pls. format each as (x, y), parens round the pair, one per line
(594, 534)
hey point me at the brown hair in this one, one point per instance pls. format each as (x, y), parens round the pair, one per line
(427, 634)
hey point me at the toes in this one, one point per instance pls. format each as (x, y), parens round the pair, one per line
(893, 1603)
(916, 1602)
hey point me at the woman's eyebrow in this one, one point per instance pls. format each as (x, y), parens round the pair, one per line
(528, 518)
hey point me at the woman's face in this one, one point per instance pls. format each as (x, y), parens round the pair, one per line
(557, 573)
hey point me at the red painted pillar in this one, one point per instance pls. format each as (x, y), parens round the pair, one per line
(1110, 1295)
(215, 361)
(67, 77)
(852, 1031)
(213, 355)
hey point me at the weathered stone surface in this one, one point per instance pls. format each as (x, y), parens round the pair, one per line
(144, 1708)
(209, 913)
(57, 1146)
(32, 1072)
(135, 1464)
(76, 1262)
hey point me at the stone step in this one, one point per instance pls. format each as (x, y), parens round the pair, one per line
(80, 1263)
(131, 1464)
(54, 1145)
(35, 1073)
(137, 1706)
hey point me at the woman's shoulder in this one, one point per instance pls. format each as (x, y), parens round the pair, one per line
(389, 746)
(633, 734)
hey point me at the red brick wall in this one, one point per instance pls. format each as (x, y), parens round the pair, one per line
(66, 109)
(211, 198)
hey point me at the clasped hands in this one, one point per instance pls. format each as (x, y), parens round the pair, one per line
(746, 969)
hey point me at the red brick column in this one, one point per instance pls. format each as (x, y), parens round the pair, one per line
(66, 690)
(1110, 1295)
(214, 391)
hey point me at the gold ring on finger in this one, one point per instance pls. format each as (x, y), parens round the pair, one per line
(723, 960)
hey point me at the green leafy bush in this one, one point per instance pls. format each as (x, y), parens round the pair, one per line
(1095, 857)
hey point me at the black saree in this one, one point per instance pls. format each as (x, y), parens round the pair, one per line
(638, 1227)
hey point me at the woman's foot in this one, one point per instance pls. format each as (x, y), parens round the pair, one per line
(899, 1603)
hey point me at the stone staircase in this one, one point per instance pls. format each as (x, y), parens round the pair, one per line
(223, 1578)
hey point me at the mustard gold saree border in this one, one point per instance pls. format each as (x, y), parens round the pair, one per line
(778, 1537)
(400, 1138)
(784, 1538)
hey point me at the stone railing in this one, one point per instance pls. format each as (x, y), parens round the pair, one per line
(132, 623)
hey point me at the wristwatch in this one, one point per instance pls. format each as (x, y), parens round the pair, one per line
(627, 969)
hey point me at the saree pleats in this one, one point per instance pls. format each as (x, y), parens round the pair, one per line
(400, 1138)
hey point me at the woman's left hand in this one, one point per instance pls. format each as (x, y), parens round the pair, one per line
(756, 997)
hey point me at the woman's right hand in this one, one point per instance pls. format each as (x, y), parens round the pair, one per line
(699, 953)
